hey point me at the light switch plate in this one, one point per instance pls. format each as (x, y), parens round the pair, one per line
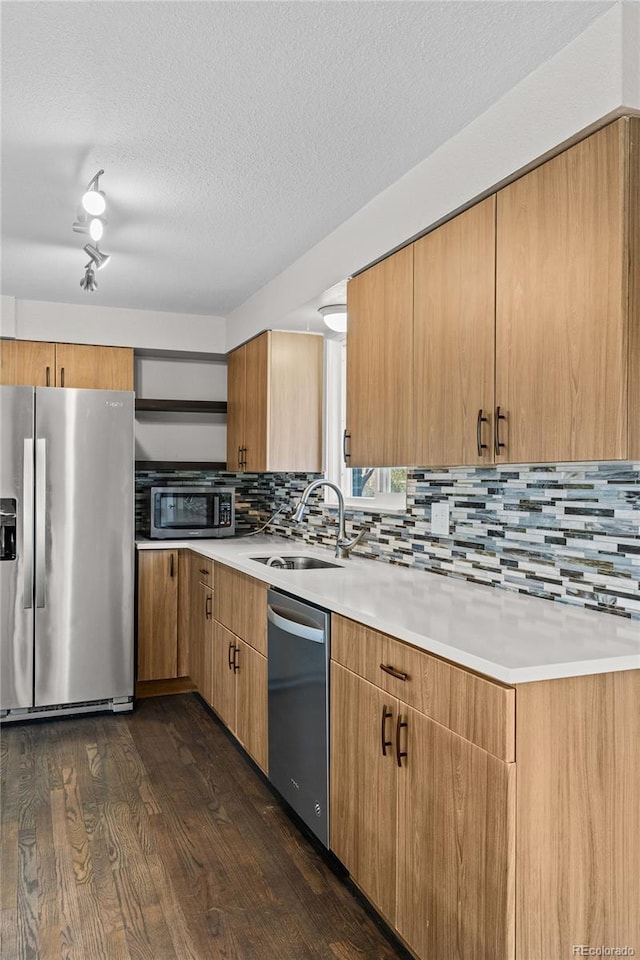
(440, 518)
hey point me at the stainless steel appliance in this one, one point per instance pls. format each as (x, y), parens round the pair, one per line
(66, 551)
(192, 512)
(298, 664)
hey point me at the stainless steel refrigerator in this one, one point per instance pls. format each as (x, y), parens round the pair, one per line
(66, 549)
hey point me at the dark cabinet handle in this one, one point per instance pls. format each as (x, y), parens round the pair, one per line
(62, 376)
(400, 753)
(480, 445)
(171, 565)
(48, 374)
(499, 445)
(204, 572)
(244, 458)
(230, 656)
(240, 458)
(386, 715)
(207, 608)
(236, 665)
(345, 436)
(393, 672)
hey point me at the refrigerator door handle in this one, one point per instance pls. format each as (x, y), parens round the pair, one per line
(41, 508)
(27, 522)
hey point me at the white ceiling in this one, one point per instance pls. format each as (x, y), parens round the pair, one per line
(234, 135)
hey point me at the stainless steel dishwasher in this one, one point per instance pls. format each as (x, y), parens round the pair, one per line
(298, 638)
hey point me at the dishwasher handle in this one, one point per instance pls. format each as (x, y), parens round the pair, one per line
(277, 616)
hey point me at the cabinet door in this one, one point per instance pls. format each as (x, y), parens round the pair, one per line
(561, 337)
(236, 379)
(223, 683)
(295, 402)
(380, 364)
(251, 703)
(256, 406)
(29, 363)
(157, 614)
(454, 339)
(363, 784)
(206, 654)
(184, 612)
(240, 604)
(94, 368)
(456, 846)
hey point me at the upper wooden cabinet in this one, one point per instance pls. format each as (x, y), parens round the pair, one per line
(274, 403)
(94, 368)
(562, 318)
(380, 364)
(40, 364)
(520, 333)
(454, 349)
(29, 363)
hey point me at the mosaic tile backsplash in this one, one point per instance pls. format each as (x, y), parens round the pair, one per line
(566, 532)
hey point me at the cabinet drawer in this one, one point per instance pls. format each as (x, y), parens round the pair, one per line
(240, 604)
(201, 570)
(480, 710)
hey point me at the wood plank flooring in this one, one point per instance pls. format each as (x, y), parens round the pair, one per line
(149, 836)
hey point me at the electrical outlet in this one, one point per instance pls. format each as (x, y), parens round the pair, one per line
(440, 518)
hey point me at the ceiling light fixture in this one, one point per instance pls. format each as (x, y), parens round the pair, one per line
(94, 201)
(99, 258)
(335, 316)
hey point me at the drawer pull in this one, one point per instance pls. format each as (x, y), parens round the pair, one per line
(386, 715)
(204, 572)
(400, 753)
(230, 660)
(207, 608)
(236, 665)
(393, 672)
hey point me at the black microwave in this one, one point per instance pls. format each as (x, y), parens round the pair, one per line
(184, 512)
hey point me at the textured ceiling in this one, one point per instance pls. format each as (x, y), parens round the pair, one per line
(234, 135)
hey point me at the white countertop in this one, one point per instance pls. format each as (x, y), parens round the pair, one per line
(507, 636)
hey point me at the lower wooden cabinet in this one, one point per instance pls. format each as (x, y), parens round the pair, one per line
(239, 691)
(157, 614)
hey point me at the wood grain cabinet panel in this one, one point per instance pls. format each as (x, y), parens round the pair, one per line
(157, 614)
(380, 395)
(456, 846)
(363, 786)
(223, 699)
(94, 368)
(478, 709)
(251, 703)
(454, 339)
(29, 363)
(561, 305)
(240, 604)
(274, 405)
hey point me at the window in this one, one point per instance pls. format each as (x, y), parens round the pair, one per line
(364, 488)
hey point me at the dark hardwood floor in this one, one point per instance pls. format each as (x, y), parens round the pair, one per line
(149, 836)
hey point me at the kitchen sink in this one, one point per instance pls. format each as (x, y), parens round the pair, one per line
(296, 563)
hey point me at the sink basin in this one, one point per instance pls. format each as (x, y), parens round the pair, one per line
(296, 563)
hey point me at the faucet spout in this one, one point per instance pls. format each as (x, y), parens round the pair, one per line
(343, 545)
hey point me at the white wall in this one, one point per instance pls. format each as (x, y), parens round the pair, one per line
(7, 316)
(593, 77)
(117, 326)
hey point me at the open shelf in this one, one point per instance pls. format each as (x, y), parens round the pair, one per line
(180, 465)
(144, 405)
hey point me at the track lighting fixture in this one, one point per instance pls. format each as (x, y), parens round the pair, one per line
(91, 220)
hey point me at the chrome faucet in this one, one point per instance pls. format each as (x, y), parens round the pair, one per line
(343, 546)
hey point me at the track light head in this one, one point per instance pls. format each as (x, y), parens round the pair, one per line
(93, 200)
(89, 282)
(98, 258)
